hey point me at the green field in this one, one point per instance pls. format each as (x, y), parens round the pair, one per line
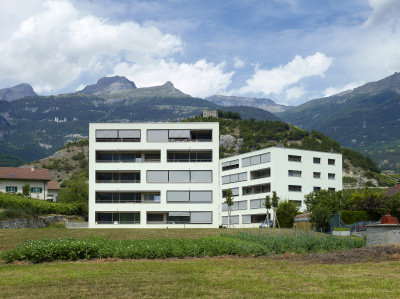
(220, 277)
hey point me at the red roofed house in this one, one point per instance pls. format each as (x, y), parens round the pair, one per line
(53, 187)
(12, 180)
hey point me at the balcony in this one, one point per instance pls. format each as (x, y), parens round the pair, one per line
(127, 157)
(264, 188)
(189, 157)
(260, 174)
(117, 177)
(127, 198)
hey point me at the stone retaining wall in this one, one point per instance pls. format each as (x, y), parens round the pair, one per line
(34, 222)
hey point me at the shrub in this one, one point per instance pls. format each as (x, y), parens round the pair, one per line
(350, 217)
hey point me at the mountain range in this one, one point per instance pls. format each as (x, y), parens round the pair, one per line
(366, 119)
(33, 127)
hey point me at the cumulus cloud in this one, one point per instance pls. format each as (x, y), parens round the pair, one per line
(238, 63)
(54, 46)
(384, 12)
(199, 79)
(278, 80)
(338, 89)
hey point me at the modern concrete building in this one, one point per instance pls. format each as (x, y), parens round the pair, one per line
(154, 175)
(292, 173)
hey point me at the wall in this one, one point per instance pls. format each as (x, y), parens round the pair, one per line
(31, 222)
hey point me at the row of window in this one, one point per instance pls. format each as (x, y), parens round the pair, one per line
(165, 135)
(240, 177)
(192, 196)
(154, 217)
(265, 188)
(179, 176)
(316, 175)
(246, 219)
(15, 189)
(316, 160)
(154, 156)
(254, 204)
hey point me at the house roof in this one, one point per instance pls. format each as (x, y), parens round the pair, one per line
(53, 185)
(303, 216)
(392, 190)
(13, 173)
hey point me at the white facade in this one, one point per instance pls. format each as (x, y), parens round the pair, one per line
(154, 175)
(292, 173)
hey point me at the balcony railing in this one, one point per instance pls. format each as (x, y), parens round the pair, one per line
(189, 140)
(168, 222)
(128, 161)
(117, 139)
(189, 160)
(117, 181)
(118, 222)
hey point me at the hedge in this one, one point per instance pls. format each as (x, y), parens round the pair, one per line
(9, 201)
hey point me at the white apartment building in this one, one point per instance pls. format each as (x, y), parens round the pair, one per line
(292, 173)
(154, 175)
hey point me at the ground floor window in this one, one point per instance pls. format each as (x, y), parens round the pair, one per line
(36, 190)
(11, 189)
(117, 218)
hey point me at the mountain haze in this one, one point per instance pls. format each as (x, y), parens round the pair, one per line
(262, 103)
(366, 119)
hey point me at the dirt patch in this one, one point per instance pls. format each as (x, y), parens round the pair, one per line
(357, 255)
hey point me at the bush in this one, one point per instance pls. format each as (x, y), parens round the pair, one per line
(286, 212)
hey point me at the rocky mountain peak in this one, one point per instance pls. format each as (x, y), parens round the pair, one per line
(110, 85)
(17, 92)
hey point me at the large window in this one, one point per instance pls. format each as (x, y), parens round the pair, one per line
(179, 176)
(179, 217)
(118, 218)
(117, 177)
(294, 158)
(261, 173)
(233, 178)
(117, 135)
(331, 161)
(294, 173)
(189, 196)
(331, 176)
(230, 165)
(127, 197)
(127, 157)
(316, 175)
(257, 159)
(189, 156)
(295, 188)
(178, 135)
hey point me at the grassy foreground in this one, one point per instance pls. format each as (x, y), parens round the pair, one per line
(210, 278)
(220, 277)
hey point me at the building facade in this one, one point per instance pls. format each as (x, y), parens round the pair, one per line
(292, 173)
(13, 180)
(154, 175)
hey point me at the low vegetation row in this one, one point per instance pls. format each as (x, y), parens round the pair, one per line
(17, 205)
(242, 244)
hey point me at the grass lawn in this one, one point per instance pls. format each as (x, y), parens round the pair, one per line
(221, 277)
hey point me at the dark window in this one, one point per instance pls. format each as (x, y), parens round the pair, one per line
(332, 189)
(295, 188)
(317, 160)
(294, 158)
(331, 161)
(316, 189)
(155, 217)
(316, 175)
(331, 176)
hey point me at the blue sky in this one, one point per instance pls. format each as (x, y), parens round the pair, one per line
(290, 51)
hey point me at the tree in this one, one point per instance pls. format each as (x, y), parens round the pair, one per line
(76, 189)
(322, 204)
(26, 189)
(275, 204)
(286, 212)
(229, 203)
(267, 205)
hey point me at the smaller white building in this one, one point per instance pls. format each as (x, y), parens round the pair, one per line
(292, 173)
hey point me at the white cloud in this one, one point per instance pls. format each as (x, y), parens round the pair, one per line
(238, 63)
(385, 12)
(294, 93)
(278, 80)
(55, 46)
(338, 89)
(199, 79)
